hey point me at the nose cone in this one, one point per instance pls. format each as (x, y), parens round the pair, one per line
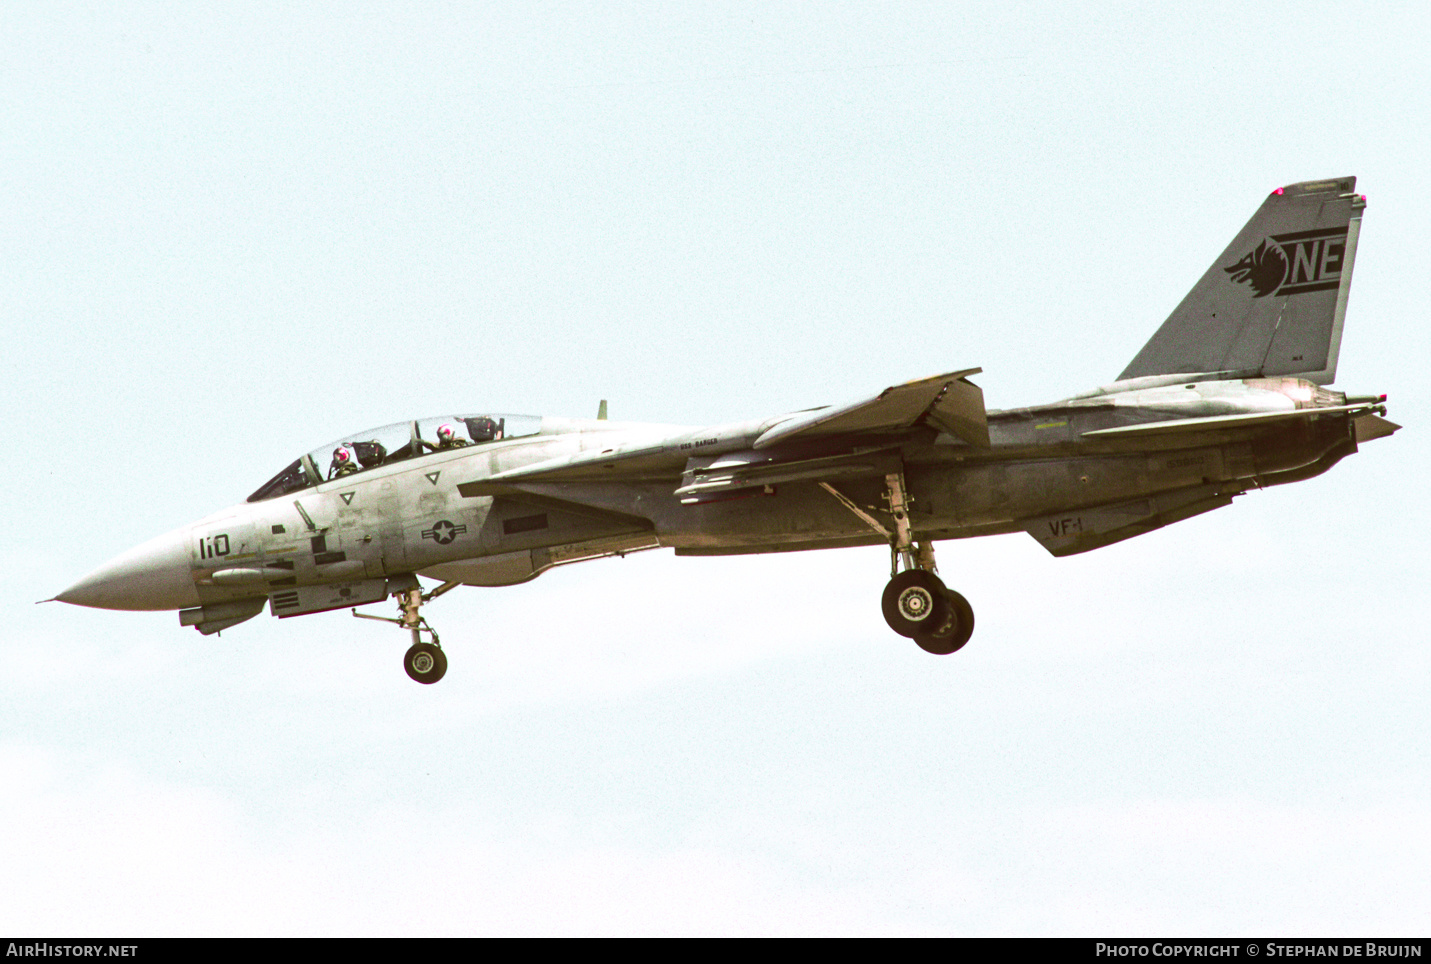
(155, 575)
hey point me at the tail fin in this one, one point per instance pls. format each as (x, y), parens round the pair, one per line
(1273, 303)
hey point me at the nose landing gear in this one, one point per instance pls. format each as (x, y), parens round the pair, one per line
(916, 603)
(424, 662)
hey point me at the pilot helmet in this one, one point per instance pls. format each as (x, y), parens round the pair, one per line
(446, 433)
(340, 454)
(483, 429)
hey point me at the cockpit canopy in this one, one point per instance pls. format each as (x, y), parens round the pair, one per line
(368, 449)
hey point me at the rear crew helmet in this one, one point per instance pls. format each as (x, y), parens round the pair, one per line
(483, 429)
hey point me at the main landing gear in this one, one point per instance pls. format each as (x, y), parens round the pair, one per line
(425, 662)
(916, 603)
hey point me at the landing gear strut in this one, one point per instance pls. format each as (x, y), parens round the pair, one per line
(916, 603)
(425, 662)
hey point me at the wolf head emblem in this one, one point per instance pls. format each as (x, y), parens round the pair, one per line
(1264, 267)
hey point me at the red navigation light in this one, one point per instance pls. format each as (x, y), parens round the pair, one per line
(1278, 191)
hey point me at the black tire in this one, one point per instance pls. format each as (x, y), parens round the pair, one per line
(955, 632)
(425, 663)
(914, 602)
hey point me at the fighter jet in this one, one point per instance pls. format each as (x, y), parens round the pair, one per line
(1227, 396)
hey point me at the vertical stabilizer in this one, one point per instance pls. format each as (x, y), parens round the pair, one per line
(1273, 303)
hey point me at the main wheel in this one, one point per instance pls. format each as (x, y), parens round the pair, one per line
(914, 602)
(958, 626)
(425, 663)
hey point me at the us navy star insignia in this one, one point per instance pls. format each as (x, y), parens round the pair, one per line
(443, 532)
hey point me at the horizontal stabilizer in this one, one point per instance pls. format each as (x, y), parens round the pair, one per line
(1079, 530)
(1368, 427)
(950, 401)
(1214, 423)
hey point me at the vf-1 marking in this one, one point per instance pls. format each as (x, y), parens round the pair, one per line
(1229, 395)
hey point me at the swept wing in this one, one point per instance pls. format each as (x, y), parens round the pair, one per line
(767, 454)
(950, 401)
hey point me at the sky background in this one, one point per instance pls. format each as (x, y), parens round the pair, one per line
(233, 232)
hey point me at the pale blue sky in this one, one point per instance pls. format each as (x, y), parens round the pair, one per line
(231, 234)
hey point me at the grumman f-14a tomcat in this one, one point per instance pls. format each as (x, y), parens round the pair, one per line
(1227, 396)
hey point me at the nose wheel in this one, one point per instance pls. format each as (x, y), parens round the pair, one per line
(424, 661)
